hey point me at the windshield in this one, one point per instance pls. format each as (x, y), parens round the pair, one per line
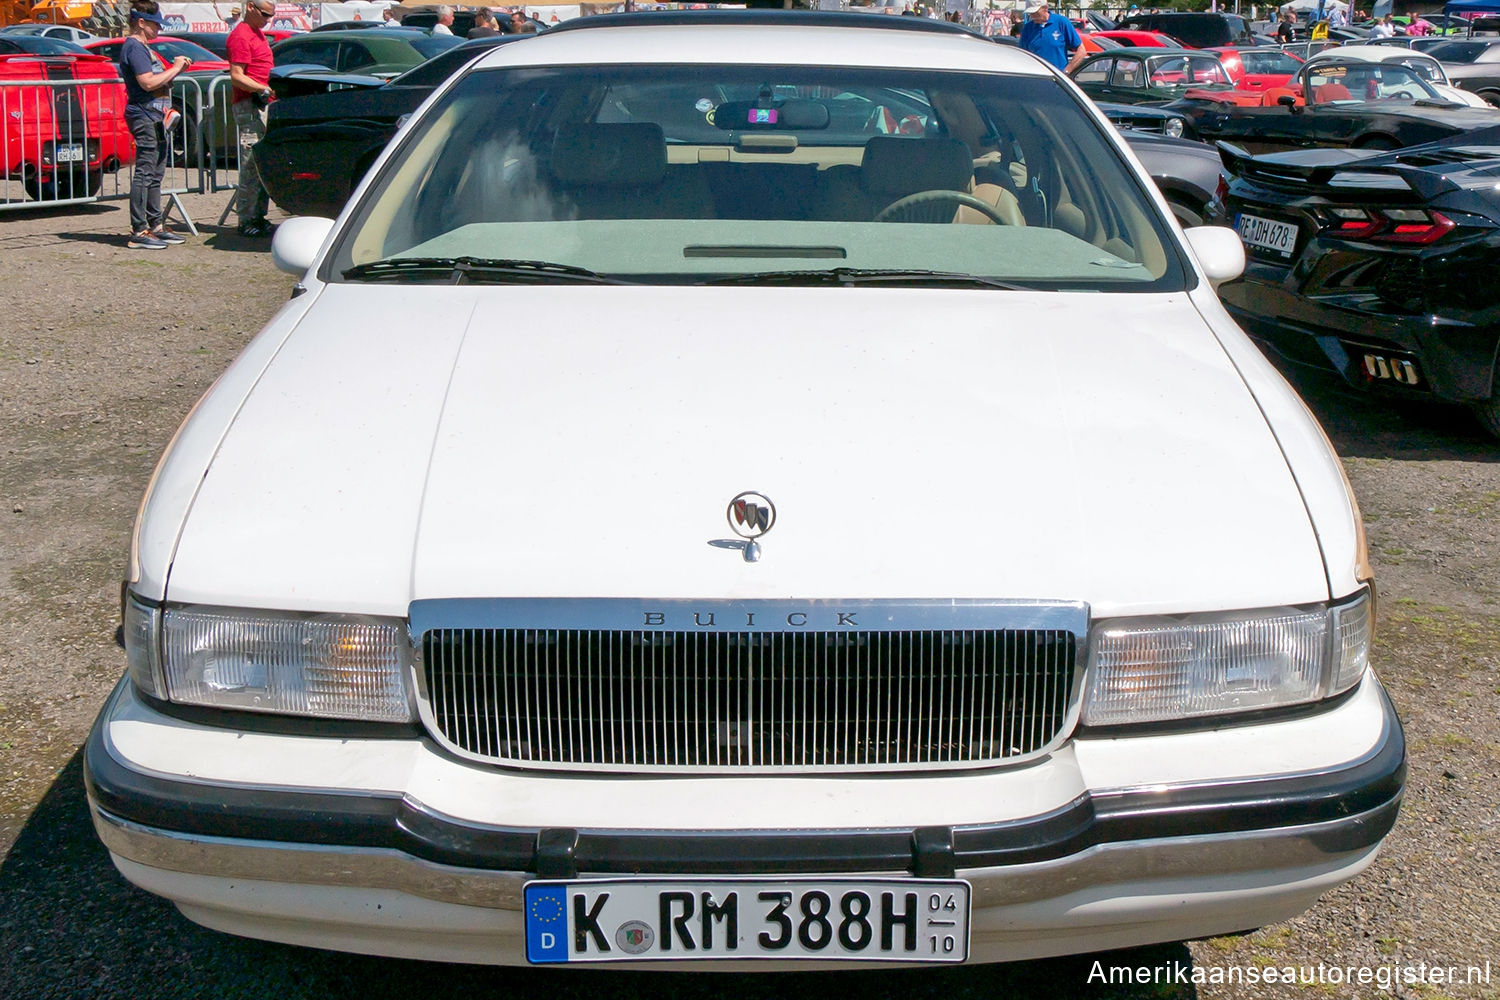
(43, 46)
(695, 173)
(1270, 62)
(431, 45)
(1458, 52)
(171, 48)
(1358, 83)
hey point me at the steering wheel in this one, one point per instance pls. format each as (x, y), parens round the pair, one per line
(910, 208)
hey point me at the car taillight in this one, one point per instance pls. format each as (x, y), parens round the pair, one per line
(1355, 223)
(1415, 226)
(1388, 225)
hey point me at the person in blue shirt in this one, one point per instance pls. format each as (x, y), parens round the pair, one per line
(1051, 36)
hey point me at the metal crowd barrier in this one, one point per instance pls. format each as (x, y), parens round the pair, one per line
(66, 142)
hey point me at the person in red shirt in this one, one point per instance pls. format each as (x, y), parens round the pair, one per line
(250, 72)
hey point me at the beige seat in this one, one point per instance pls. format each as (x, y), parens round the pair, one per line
(1004, 203)
(620, 171)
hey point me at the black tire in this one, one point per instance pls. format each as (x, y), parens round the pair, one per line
(1186, 216)
(1493, 96)
(1487, 412)
(78, 183)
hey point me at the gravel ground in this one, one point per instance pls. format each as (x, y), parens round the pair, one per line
(102, 352)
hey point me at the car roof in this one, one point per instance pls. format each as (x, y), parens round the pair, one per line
(768, 37)
(1369, 53)
(359, 35)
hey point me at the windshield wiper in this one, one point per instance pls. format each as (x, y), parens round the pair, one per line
(850, 276)
(1436, 102)
(475, 270)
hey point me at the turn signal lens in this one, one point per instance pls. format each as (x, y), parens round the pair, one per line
(1164, 669)
(1353, 631)
(328, 666)
(142, 635)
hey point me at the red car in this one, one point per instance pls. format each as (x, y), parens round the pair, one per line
(62, 135)
(203, 61)
(1141, 39)
(1093, 43)
(1259, 68)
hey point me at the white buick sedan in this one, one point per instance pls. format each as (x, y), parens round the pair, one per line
(753, 490)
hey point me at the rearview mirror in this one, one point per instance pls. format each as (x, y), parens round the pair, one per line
(793, 114)
(1290, 103)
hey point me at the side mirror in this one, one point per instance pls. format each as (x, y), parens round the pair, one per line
(297, 242)
(1290, 103)
(1219, 250)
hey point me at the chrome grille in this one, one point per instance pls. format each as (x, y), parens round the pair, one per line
(616, 699)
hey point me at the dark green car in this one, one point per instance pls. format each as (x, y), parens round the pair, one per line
(1141, 76)
(382, 52)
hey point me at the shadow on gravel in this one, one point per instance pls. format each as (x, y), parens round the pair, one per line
(71, 927)
(43, 212)
(1363, 426)
(105, 239)
(227, 239)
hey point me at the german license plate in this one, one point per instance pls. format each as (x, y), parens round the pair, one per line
(71, 153)
(624, 920)
(1267, 234)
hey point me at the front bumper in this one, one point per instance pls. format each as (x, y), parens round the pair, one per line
(1087, 849)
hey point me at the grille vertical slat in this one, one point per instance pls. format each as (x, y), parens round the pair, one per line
(713, 700)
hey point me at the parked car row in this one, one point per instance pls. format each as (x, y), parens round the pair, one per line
(1362, 263)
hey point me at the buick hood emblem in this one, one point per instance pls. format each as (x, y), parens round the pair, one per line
(751, 515)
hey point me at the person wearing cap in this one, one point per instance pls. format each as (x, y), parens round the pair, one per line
(250, 72)
(1051, 37)
(147, 98)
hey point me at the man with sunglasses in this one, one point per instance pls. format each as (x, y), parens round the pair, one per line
(250, 72)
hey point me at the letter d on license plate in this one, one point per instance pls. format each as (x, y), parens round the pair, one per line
(852, 920)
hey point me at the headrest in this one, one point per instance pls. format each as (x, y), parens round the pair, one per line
(620, 155)
(896, 166)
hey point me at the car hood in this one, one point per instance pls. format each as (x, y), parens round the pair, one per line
(418, 442)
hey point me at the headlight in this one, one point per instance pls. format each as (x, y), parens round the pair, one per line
(1159, 669)
(331, 666)
(1173, 128)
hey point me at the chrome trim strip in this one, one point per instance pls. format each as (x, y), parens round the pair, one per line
(304, 864)
(632, 615)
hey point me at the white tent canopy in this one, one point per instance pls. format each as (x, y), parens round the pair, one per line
(1302, 5)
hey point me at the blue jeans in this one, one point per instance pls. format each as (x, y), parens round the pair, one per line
(145, 179)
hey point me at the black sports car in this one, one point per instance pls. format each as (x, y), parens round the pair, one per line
(318, 146)
(1375, 266)
(1334, 102)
